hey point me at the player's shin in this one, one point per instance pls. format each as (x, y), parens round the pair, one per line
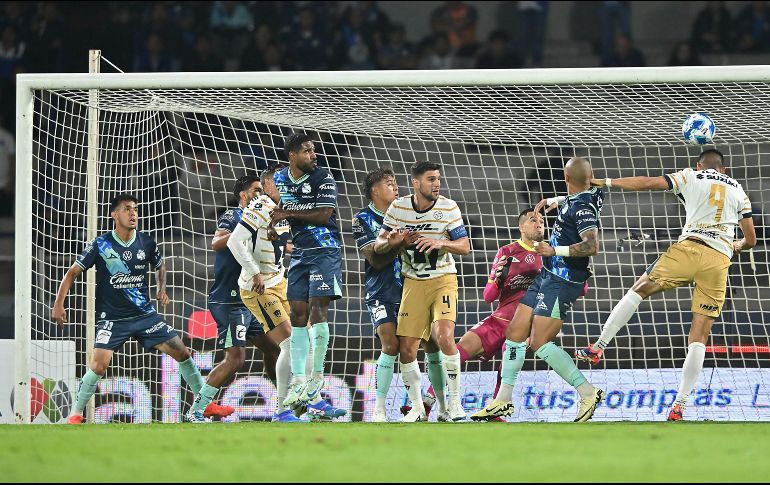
(410, 374)
(513, 361)
(300, 347)
(437, 378)
(384, 376)
(87, 389)
(561, 362)
(191, 375)
(693, 365)
(619, 317)
(283, 372)
(320, 335)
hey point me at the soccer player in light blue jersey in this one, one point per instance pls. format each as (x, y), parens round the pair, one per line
(309, 202)
(123, 258)
(541, 313)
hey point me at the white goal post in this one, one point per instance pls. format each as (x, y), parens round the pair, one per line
(500, 134)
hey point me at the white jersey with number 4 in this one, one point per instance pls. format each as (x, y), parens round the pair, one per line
(441, 221)
(714, 203)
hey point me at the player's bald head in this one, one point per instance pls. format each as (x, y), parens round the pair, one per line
(578, 170)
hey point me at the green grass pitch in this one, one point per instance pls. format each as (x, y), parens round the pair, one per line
(420, 452)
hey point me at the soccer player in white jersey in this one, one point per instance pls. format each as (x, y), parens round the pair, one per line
(715, 204)
(429, 301)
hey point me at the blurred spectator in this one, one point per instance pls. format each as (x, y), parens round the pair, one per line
(615, 20)
(7, 169)
(253, 57)
(625, 54)
(202, 57)
(752, 27)
(438, 54)
(458, 21)
(532, 22)
(274, 59)
(498, 54)
(153, 57)
(231, 16)
(712, 30)
(13, 14)
(684, 55)
(12, 53)
(306, 44)
(354, 46)
(376, 21)
(397, 52)
(46, 50)
(187, 34)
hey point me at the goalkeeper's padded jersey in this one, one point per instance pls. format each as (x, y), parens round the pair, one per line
(122, 286)
(441, 221)
(714, 203)
(266, 256)
(524, 266)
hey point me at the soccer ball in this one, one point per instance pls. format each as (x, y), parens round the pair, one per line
(698, 129)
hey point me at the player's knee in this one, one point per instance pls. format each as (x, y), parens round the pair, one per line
(446, 342)
(298, 318)
(390, 345)
(408, 354)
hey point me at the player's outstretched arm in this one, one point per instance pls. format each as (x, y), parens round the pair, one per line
(749, 236)
(633, 183)
(318, 217)
(59, 312)
(219, 241)
(160, 280)
(589, 246)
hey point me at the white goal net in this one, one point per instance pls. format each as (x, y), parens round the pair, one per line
(502, 139)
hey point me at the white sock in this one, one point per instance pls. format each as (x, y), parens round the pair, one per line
(380, 404)
(505, 393)
(585, 390)
(691, 370)
(619, 317)
(452, 367)
(410, 374)
(283, 372)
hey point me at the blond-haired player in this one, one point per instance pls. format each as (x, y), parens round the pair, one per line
(429, 300)
(715, 205)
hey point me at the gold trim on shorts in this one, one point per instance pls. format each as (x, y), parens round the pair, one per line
(687, 262)
(271, 308)
(425, 301)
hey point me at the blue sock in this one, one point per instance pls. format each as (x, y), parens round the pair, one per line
(561, 362)
(191, 375)
(384, 373)
(300, 346)
(87, 389)
(320, 334)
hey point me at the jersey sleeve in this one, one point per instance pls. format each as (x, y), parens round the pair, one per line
(745, 210)
(456, 228)
(389, 222)
(679, 182)
(227, 221)
(362, 233)
(255, 218)
(237, 246)
(88, 257)
(586, 217)
(156, 258)
(327, 193)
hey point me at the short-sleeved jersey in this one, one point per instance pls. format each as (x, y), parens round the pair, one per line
(714, 203)
(442, 220)
(122, 285)
(579, 213)
(225, 289)
(524, 267)
(384, 284)
(314, 190)
(267, 254)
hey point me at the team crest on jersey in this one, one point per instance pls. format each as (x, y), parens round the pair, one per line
(529, 259)
(127, 255)
(306, 188)
(438, 215)
(140, 255)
